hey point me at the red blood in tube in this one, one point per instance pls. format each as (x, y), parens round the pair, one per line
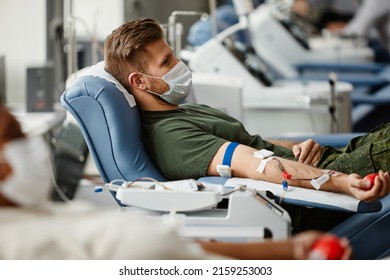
(327, 247)
(371, 177)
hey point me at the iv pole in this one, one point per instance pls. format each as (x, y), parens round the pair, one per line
(70, 36)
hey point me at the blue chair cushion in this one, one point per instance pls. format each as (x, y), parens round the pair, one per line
(111, 128)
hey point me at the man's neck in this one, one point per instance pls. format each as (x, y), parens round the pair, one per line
(158, 107)
(149, 102)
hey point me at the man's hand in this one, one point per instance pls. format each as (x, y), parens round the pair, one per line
(360, 188)
(307, 152)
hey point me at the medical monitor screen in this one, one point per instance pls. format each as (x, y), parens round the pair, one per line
(2, 80)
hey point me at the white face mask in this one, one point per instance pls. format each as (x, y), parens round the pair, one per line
(179, 79)
(29, 184)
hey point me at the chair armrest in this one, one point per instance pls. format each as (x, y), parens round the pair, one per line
(371, 100)
(380, 97)
(338, 67)
(358, 81)
(341, 202)
(338, 140)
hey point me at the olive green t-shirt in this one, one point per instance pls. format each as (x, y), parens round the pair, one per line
(183, 142)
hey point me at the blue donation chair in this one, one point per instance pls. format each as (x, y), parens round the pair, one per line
(111, 127)
(110, 123)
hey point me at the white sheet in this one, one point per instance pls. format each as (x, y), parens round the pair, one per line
(98, 70)
(323, 197)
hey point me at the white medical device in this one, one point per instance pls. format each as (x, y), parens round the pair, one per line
(249, 216)
(272, 107)
(176, 196)
(281, 43)
(220, 91)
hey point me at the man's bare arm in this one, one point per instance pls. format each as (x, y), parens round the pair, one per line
(244, 165)
(297, 247)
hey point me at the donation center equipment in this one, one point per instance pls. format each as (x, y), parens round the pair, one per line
(273, 107)
(250, 215)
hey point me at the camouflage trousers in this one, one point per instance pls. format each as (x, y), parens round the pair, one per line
(364, 154)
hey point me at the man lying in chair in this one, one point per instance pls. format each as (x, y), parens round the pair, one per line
(191, 140)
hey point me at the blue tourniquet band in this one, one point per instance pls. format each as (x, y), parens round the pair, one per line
(227, 158)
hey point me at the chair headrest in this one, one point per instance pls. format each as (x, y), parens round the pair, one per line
(98, 70)
(110, 122)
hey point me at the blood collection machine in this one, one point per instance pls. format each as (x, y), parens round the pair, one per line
(275, 107)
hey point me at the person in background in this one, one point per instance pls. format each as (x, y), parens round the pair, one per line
(200, 32)
(23, 162)
(326, 14)
(369, 19)
(372, 21)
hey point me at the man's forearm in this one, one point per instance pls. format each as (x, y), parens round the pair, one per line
(281, 250)
(302, 174)
(246, 165)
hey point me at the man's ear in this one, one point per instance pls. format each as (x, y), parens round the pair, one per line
(136, 80)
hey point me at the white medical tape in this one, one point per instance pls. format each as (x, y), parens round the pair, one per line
(224, 171)
(316, 183)
(266, 156)
(263, 164)
(262, 154)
